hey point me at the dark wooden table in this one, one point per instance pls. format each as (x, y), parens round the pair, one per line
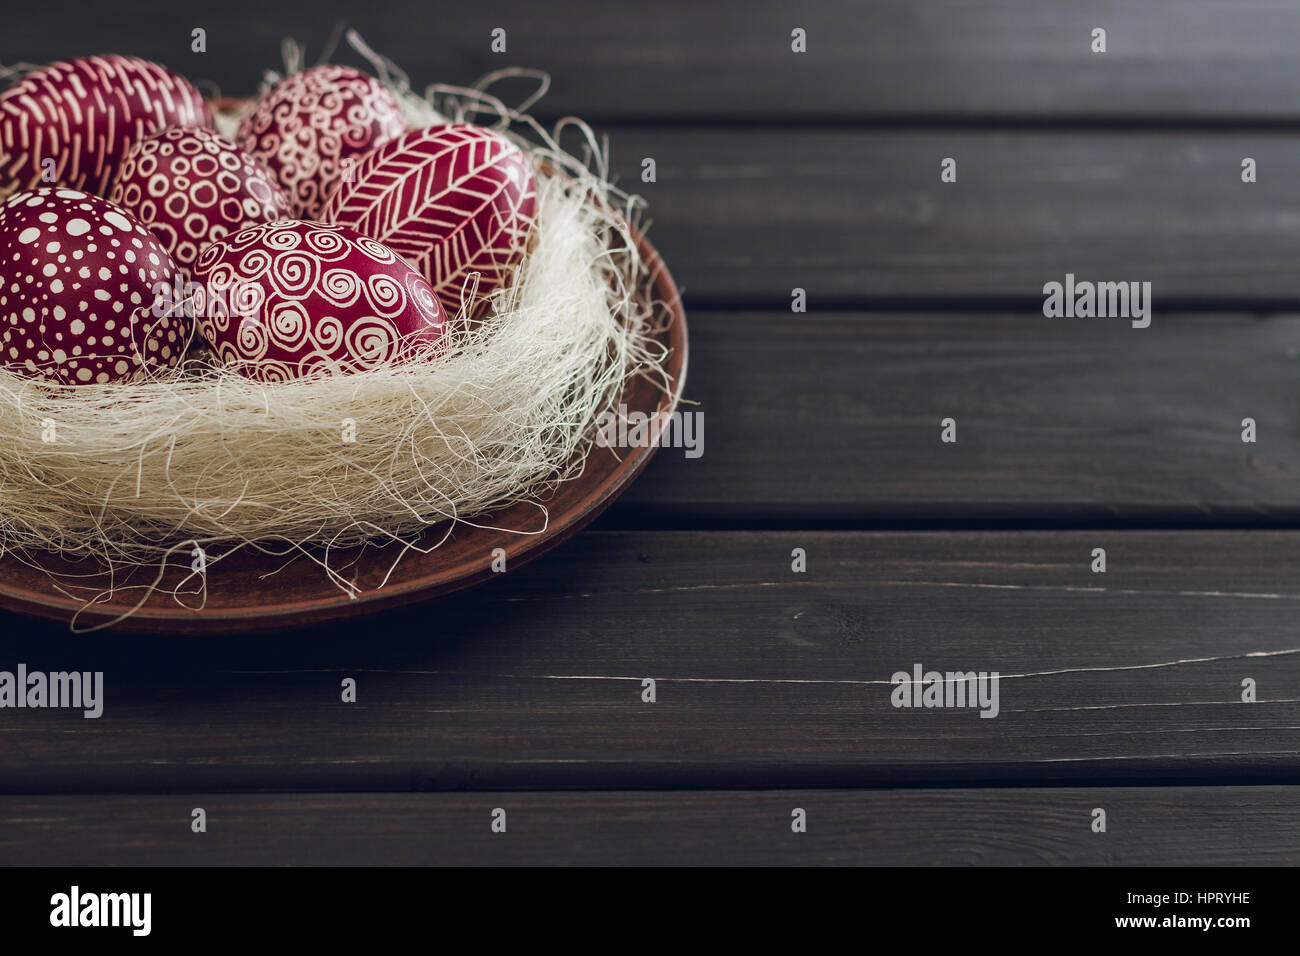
(820, 171)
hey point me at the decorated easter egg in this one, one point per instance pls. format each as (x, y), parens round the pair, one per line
(290, 298)
(310, 126)
(79, 291)
(454, 199)
(70, 123)
(191, 186)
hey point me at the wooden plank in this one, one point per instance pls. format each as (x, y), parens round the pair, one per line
(861, 217)
(1166, 60)
(765, 677)
(1169, 826)
(836, 417)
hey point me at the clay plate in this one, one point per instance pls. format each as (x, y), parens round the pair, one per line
(252, 592)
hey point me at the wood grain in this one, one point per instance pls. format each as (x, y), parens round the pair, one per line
(836, 417)
(819, 171)
(891, 60)
(861, 217)
(1170, 826)
(766, 678)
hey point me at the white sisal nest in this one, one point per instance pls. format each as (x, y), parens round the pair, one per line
(130, 474)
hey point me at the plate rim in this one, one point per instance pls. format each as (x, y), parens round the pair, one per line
(338, 605)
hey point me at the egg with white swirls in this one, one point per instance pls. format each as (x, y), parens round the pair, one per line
(192, 186)
(290, 299)
(79, 291)
(312, 125)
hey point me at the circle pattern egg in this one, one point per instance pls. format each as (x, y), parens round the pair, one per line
(454, 199)
(311, 125)
(192, 186)
(79, 278)
(70, 123)
(291, 298)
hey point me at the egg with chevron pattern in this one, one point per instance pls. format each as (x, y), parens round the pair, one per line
(455, 200)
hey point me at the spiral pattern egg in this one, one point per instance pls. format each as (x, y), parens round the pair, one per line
(80, 279)
(454, 199)
(311, 125)
(192, 186)
(76, 120)
(289, 298)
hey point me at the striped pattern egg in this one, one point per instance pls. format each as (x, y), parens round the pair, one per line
(192, 186)
(311, 125)
(454, 199)
(82, 295)
(71, 123)
(289, 299)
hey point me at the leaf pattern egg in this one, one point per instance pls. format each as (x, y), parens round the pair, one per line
(71, 122)
(289, 299)
(311, 125)
(81, 291)
(192, 186)
(454, 199)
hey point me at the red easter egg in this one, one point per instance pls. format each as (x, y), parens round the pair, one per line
(79, 280)
(291, 298)
(308, 126)
(453, 199)
(84, 114)
(191, 187)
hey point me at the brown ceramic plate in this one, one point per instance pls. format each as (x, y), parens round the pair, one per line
(252, 592)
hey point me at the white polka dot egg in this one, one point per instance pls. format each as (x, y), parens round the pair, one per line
(79, 278)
